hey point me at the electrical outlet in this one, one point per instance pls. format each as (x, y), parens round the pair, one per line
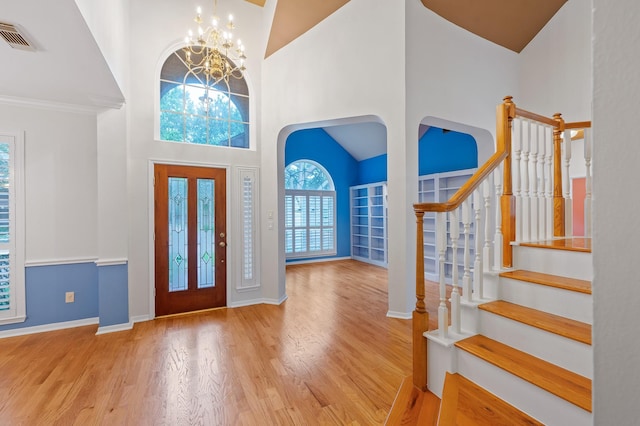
(69, 297)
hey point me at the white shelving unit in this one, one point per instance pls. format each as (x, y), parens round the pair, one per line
(439, 187)
(369, 223)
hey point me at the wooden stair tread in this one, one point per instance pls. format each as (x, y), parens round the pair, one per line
(563, 383)
(557, 281)
(413, 406)
(566, 327)
(466, 403)
(571, 244)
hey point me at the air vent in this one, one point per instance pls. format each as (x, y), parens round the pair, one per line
(14, 38)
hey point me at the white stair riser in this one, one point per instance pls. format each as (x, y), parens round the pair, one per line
(568, 304)
(538, 403)
(566, 353)
(565, 263)
(441, 359)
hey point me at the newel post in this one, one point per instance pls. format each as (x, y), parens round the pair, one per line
(558, 199)
(504, 116)
(420, 315)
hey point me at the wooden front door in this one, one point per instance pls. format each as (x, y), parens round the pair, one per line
(190, 238)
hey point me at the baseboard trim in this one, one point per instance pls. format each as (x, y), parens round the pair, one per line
(265, 301)
(399, 315)
(114, 328)
(140, 318)
(321, 260)
(49, 327)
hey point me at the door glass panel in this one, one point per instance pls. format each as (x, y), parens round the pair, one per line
(206, 233)
(178, 237)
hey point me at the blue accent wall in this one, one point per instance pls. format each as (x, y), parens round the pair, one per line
(317, 145)
(445, 151)
(372, 170)
(113, 294)
(45, 294)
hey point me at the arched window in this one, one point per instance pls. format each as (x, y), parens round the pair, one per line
(309, 211)
(193, 113)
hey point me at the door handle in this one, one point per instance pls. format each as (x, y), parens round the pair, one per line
(222, 244)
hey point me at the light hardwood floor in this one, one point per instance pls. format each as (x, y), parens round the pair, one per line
(328, 355)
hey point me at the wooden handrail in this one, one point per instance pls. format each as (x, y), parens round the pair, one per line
(535, 117)
(465, 190)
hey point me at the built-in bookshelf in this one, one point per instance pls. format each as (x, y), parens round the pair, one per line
(437, 188)
(369, 223)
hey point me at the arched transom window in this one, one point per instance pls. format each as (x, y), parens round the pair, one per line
(309, 211)
(193, 113)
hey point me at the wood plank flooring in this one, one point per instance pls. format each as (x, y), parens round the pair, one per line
(328, 355)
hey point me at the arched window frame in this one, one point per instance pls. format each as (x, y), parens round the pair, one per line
(310, 214)
(172, 72)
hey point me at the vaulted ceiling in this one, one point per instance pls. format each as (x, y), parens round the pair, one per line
(509, 23)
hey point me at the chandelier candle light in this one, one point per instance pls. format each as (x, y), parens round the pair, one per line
(211, 55)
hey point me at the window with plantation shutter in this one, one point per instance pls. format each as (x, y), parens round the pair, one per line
(12, 291)
(309, 211)
(248, 178)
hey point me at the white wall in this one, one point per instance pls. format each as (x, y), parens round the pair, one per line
(60, 181)
(349, 65)
(452, 75)
(158, 28)
(555, 67)
(616, 102)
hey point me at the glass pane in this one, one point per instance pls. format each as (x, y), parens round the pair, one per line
(327, 211)
(5, 294)
(171, 127)
(314, 210)
(206, 233)
(171, 97)
(327, 239)
(196, 129)
(240, 108)
(300, 240)
(239, 134)
(300, 212)
(219, 106)
(288, 241)
(4, 192)
(178, 238)
(314, 239)
(218, 132)
(196, 100)
(288, 211)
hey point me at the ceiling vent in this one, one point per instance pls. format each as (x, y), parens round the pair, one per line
(14, 38)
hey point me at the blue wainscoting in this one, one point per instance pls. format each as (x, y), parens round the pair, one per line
(99, 292)
(113, 294)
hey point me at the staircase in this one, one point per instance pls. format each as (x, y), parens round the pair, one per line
(532, 348)
(519, 336)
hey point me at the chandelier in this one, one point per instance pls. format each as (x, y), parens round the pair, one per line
(211, 54)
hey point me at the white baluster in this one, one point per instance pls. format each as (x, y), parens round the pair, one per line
(535, 135)
(549, 188)
(487, 188)
(566, 185)
(518, 126)
(478, 274)
(441, 240)
(542, 200)
(526, 197)
(587, 195)
(454, 235)
(497, 240)
(466, 223)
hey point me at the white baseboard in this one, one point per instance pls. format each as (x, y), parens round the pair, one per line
(113, 328)
(265, 301)
(49, 327)
(400, 315)
(321, 260)
(140, 318)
